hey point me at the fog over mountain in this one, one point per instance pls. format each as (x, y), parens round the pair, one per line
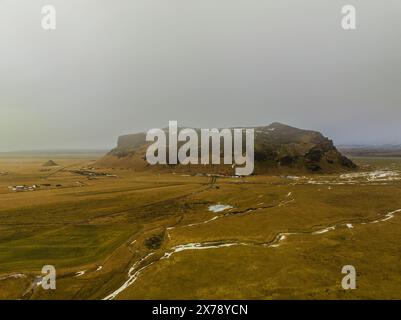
(119, 67)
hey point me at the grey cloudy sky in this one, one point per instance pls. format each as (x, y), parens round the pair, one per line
(116, 67)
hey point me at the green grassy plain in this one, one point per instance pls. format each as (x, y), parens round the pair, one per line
(103, 226)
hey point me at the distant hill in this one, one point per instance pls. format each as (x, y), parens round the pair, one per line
(278, 149)
(55, 154)
(50, 163)
(386, 151)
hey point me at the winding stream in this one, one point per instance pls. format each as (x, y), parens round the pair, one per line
(134, 272)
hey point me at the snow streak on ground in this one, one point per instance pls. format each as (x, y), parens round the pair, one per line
(134, 272)
(219, 207)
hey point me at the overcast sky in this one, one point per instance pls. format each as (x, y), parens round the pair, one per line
(117, 67)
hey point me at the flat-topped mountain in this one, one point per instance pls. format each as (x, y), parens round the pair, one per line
(278, 149)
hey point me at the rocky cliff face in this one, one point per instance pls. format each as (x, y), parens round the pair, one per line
(282, 146)
(278, 149)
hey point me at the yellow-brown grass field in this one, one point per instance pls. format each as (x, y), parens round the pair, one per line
(130, 235)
